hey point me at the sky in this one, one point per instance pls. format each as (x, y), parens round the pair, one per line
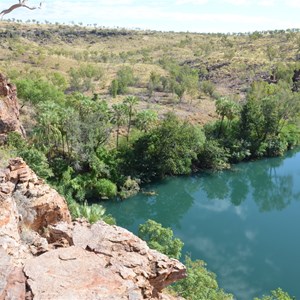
(167, 15)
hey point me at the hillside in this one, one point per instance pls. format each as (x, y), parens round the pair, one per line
(98, 113)
(225, 64)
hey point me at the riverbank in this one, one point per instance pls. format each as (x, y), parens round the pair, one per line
(242, 223)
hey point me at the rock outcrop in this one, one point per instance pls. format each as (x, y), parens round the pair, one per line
(9, 110)
(44, 255)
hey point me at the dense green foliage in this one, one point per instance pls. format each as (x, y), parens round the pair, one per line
(168, 149)
(106, 145)
(278, 294)
(200, 284)
(72, 142)
(160, 238)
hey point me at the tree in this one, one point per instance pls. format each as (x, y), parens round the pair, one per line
(114, 88)
(269, 108)
(160, 239)
(145, 119)
(22, 3)
(226, 108)
(36, 90)
(130, 102)
(119, 112)
(278, 294)
(124, 79)
(200, 284)
(168, 149)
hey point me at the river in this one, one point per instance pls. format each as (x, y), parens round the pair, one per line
(244, 223)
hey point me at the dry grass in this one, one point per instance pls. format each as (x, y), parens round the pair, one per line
(58, 52)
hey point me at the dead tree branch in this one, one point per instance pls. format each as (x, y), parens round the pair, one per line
(22, 3)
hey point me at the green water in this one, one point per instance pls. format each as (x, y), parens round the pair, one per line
(244, 223)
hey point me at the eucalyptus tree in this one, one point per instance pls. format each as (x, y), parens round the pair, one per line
(22, 3)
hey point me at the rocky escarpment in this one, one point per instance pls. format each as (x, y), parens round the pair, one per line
(45, 255)
(9, 110)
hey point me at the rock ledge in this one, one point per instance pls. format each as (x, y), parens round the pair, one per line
(45, 256)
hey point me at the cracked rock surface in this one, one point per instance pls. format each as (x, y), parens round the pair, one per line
(44, 255)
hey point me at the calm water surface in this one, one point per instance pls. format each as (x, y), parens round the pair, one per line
(244, 223)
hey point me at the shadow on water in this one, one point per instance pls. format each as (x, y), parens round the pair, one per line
(244, 222)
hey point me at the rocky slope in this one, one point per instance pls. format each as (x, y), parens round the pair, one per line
(9, 109)
(45, 255)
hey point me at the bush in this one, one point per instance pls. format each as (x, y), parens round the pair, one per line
(200, 284)
(213, 156)
(38, 90)
(37, 162)
(208, 87)
(93, 213)
(168, 149)
(278, 294)
(105, 188)
(125, 78)
(160, 238)
(82, 78)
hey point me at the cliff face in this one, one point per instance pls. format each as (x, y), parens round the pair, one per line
(9, 109)
(44, 255)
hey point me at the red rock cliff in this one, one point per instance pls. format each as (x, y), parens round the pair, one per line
(44, 255)
(9, 109)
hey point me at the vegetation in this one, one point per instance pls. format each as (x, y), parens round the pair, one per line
(278, 294)
(104, 118)
(160, 238)
(97, 129)
(200, 284)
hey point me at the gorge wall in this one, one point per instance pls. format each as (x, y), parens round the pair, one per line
(46, 255)
(9, 110)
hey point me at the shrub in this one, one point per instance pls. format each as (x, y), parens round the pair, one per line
(278, 294)
(160, 238)
(200, 284)
(105, 188)
(213, 156)
(93, 213)
(208, 87)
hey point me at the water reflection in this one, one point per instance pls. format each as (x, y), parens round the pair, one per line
(157, 207)
(244, 223)
(262, 181)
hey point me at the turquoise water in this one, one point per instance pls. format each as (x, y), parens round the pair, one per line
(244, 222)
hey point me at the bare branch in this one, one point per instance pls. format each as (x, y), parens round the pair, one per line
(22, 3)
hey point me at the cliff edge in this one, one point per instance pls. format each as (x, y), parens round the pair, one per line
(46, 255)
(9, 110)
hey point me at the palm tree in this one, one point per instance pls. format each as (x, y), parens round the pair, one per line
(130, 102)
(119, 112)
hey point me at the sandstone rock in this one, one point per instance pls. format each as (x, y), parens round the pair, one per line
(70, 260)
(73, 273)
(12, 279)
(9, 109)
(38, 204)
(124, 254)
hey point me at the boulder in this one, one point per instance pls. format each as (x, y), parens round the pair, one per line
(123, 254)
(38, 204)
(45, 255)
(12, 279)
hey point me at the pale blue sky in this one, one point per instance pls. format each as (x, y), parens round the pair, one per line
(178, 15)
